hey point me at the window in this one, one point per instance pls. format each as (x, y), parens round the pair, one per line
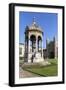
(20, 51)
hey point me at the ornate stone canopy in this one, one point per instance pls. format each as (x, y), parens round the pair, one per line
(33, 42)
(33, 27)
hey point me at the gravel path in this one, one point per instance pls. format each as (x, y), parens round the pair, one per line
(25, 74)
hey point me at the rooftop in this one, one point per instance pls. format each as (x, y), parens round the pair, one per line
(34, 26)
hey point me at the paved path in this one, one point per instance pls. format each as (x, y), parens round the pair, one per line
(25, 74)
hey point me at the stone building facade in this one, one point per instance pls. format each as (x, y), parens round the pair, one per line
(51, 50)
(21, 50)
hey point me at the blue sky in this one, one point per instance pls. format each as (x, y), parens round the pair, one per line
(47, 21)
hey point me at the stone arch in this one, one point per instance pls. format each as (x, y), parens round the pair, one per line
(33, 42)
(32, 37)
(39, 43)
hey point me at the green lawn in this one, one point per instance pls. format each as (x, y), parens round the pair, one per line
(50, 70)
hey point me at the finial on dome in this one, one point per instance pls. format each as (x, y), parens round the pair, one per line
(33, 19)
(34, 22)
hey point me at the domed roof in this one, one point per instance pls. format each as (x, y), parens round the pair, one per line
(34, 26)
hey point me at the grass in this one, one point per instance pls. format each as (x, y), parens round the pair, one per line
(53, 61)
(46, 71)
(50, 70)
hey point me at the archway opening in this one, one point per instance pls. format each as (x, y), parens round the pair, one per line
(33, 42)
(39, 43)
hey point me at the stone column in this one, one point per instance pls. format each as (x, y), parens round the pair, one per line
(25, 50)
(36, 43)
(29, 44)
(42, 47)
(25, 43)
(29, 60)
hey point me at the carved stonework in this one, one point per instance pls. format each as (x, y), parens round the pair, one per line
(33, 43)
